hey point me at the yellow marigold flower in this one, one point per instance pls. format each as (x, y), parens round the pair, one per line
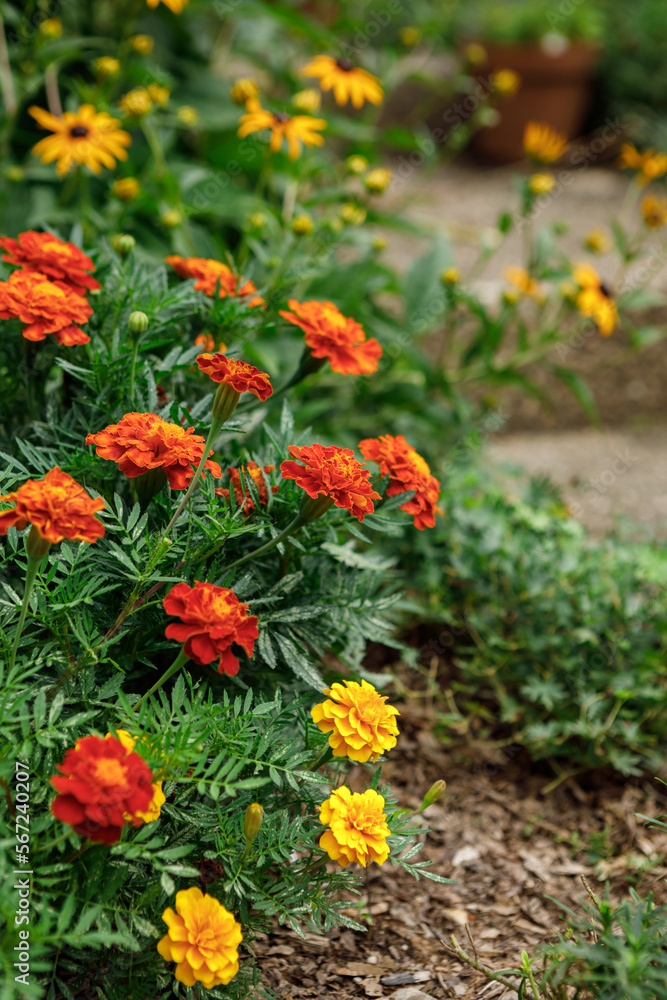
(654, 211)
(245, 89)
(362, 727)
(87, 137)
(188, 115)
(594, 299)
(176, 6)
(650, 163)
(309, 101)
(106, 67)
(358, 828)
(302, 225)
(597, 241)
(126, 188)
(409, 36)
(143, 44)
(294, 130)
(378, 180)
(542, 143)
(136, 102)
(450, 276)
(356, 164)
(203, 938)
(152, 811)
(523, 282)
(158, 94)
(348, 82)
(353, 214)
(171, 218)
(505, 82)
(475, 54)
(541, 183)
(52, 27)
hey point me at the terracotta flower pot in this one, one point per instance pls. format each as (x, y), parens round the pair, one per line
(555, 89)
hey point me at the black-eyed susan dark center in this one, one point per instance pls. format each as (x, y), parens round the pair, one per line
(345, 64)
(78, 131)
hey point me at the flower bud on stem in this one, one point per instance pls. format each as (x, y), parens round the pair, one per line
(252, 822)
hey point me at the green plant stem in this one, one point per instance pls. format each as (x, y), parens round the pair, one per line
(6, 78)
(212, 434)
(291, 527)
(155, 147)
(133, 367)
(179, 662)
(31, 573)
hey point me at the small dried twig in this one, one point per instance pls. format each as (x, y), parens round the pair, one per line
(465, 957)
(472, 943)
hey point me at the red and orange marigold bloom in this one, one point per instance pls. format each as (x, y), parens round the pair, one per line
(53, 257)
(140, 442)
(99, 783)
(212, 621)
(56, 506)
(332, 475)
(362, 726)
(210, 274)
(45, 307)
(241, 493)
(241, 376)
(202, 938)
(358, 828)
(338, 338)
(407, 471)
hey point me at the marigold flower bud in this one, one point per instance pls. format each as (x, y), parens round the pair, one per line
(126, 188)
(353, 214)
(244, 90)
(138, 322)
(171, 218)
(378, 180)
(308, 101)
(257, 220)
(435, 792)
(450, 276)
(356, 164)
(158, 94)
(106, 67)
(302, 225)
(379, 243)
(143, 44)
(15, 174)
(188, 115)
(136, 103)
(597, 241)
(475, 53)
(123, 244)
(409, 36)
(252, 821)
(505, 81)
(541, 183)
(51, 28)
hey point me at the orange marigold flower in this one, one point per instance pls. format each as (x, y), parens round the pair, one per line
(362, 727)
(152, 812)
(349, 82)
(524, 283)
(238, 374)
(44, 307)
(176, 6)
(210, 274)
(358, 828)
(51, 256)
(203, 938)
(206, 341)
(57, 506)
(100, 782)
(334, 475)
(212, 620)
(241, 493)
(86, 137)
(407, 470)
(140, 442)
(331, 335)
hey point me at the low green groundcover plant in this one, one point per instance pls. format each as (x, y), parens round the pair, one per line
(558, 639)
